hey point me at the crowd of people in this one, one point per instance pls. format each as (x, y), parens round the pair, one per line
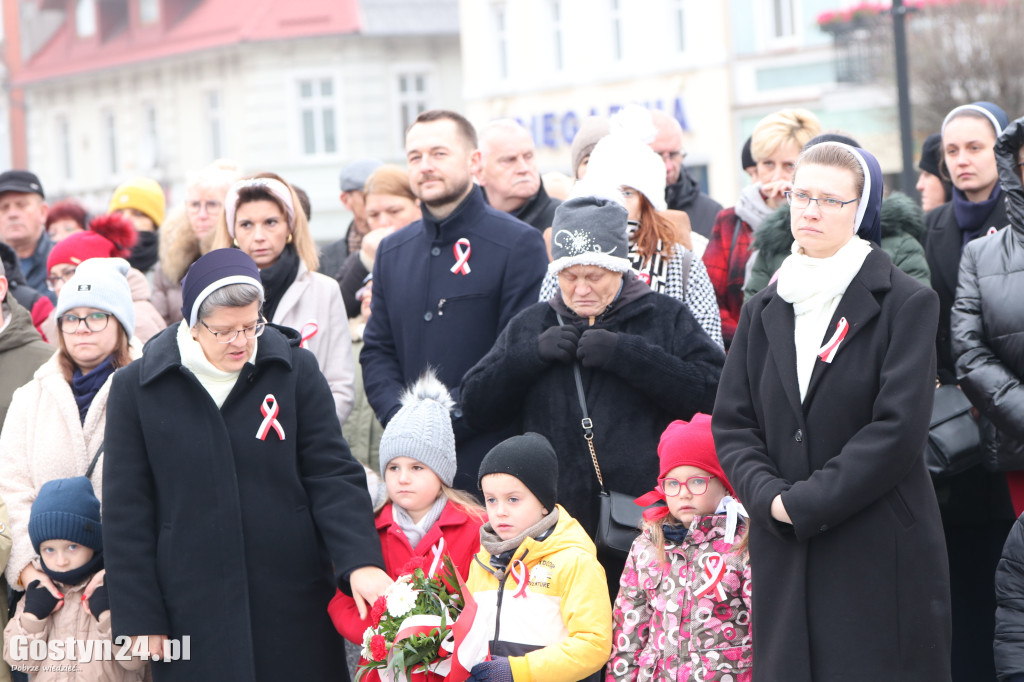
(213, 428)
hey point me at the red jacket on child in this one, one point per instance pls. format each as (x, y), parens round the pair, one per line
(461, 533)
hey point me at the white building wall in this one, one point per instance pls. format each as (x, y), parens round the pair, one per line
(261, 123)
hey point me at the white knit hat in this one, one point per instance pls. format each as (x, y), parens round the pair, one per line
(422, 429)
(100, 283)
(625, 161)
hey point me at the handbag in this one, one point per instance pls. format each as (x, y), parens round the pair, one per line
(954, 440)
(619, 518)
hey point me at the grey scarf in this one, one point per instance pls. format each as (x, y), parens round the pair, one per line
(751, 207)
(495, 546)
(414, 532)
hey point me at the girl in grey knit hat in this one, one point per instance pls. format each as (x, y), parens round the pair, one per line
(424, 516)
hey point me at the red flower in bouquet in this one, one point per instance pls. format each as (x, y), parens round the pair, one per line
(379, 607)
(378, 647)
(419, 562)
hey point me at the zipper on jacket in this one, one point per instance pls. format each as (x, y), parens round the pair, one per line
(501, 594)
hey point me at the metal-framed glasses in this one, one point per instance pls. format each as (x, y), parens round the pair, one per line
(697, 485)
(94, 322)
(229, 336)
(53, 281)
(825, 204)
(210, 206)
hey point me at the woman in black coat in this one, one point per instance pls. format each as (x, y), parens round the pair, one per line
(645, 361)
(820, 424)
(975, 504)
(230, 492)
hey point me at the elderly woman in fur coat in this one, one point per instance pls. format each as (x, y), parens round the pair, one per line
(643, 358)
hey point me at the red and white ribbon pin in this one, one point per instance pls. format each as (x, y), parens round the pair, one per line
(438, 552)
(270, 409)
(521, 574)
(308, 331)
(828, 351)
(714, 570)
(461, 266)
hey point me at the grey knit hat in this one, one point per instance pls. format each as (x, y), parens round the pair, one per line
(354, 176)
(590, 132)
(422, 429)
(590, 230)
(100, 283)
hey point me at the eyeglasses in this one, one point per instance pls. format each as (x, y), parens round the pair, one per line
(672, 156)
(802, 200)
(229, 336)
(697, 485)
(210, 206)
(94, 322)
(53, 281)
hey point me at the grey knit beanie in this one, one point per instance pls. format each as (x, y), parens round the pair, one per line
(590, 230)
(100, 283)
(422, 429)
(590, 132)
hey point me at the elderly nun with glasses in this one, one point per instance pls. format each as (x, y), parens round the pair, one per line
(820, 424)
(235, 507)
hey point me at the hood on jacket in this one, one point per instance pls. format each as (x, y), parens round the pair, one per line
(1007, 147)
(899, 214)
(139, 285)
(179, 247)
(20, 331)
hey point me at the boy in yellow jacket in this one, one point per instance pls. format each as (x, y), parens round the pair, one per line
(539, 588)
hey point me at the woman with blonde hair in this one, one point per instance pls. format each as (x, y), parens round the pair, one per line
(188, 232)
(775, 144)
(263, 218)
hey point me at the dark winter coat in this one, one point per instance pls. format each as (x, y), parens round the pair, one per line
(942, 247)
(685, 195)
(210, 532)
(902, 238)
(22, 352)
(987, 320)
(664, 367)
(423, 314)
(857, 588)
(539, 211)
(1009, 637)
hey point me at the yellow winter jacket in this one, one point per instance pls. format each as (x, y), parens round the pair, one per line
(562, 622)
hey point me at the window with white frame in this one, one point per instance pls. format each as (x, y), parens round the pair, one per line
(500, 19)
(109, 135)
(317, 116)
(615, 14)
(214, 124)
(149, 11)
(85, 18)
(557, 49)
(63, 147)
(679, 24)
(414, 94)
(783, 19)
(149, 140)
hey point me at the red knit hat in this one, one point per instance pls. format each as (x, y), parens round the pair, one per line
(108, 236)
(691, 444)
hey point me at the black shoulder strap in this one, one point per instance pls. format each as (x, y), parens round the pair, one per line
(95, 458)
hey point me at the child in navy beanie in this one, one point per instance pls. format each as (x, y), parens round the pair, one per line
(66, 531)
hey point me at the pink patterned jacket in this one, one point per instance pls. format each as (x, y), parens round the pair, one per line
(688, 618)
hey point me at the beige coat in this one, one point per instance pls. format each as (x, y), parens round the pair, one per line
(148, 320)
(70, 620)
(179, 248)
(43, 438)
(313, 302)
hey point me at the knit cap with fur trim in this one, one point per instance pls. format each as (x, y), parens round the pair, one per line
(422, 429)
(100, 283)
(530, 458)
(691, 444)
(142, 194)
(66, 509)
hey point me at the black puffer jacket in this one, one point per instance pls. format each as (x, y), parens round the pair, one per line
(1009, 641)
(987, 320)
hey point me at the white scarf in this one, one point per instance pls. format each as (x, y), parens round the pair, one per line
(752, 208)
(814, 286)
(217, 383)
